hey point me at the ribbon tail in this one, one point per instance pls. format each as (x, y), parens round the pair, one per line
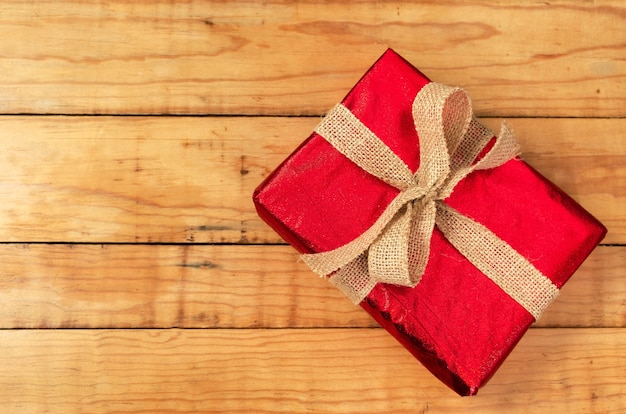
(328, 262)
(354, 280)
(511, 271)
(388, 262)
(388, 256)
(422, 227)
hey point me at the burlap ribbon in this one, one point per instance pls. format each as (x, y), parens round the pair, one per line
(396, 248)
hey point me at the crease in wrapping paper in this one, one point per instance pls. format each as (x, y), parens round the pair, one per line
(309, 197)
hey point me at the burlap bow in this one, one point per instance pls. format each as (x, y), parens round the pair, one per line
(396, 248)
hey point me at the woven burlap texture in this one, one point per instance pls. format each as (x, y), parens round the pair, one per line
(396, 248)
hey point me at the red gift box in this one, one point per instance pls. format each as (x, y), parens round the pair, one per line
(456, 321)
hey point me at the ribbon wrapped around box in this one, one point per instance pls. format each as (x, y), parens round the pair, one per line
(432, 224)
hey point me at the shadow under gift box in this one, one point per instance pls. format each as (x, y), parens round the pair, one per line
(456, 321)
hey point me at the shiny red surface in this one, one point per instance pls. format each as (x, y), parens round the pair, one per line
(457, 322)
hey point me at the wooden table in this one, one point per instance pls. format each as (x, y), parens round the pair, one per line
(135, 274)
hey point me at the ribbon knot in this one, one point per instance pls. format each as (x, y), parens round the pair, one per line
(429, 196)
(396, 248)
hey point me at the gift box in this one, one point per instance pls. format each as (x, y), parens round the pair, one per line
(428, 221)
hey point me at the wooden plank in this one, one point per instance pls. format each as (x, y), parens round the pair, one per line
(294, 371)
(276, 57)
(156, 286)
(190, 179)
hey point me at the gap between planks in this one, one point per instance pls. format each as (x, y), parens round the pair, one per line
(162, 286)
(515, 58)
(293, 371)
(190, 180)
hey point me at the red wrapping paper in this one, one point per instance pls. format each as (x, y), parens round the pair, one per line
(456, 321)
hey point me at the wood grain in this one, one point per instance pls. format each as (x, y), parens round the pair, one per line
(519, 58)
(139, 286)
(294, 371)
(190, 179)
(135, 275)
